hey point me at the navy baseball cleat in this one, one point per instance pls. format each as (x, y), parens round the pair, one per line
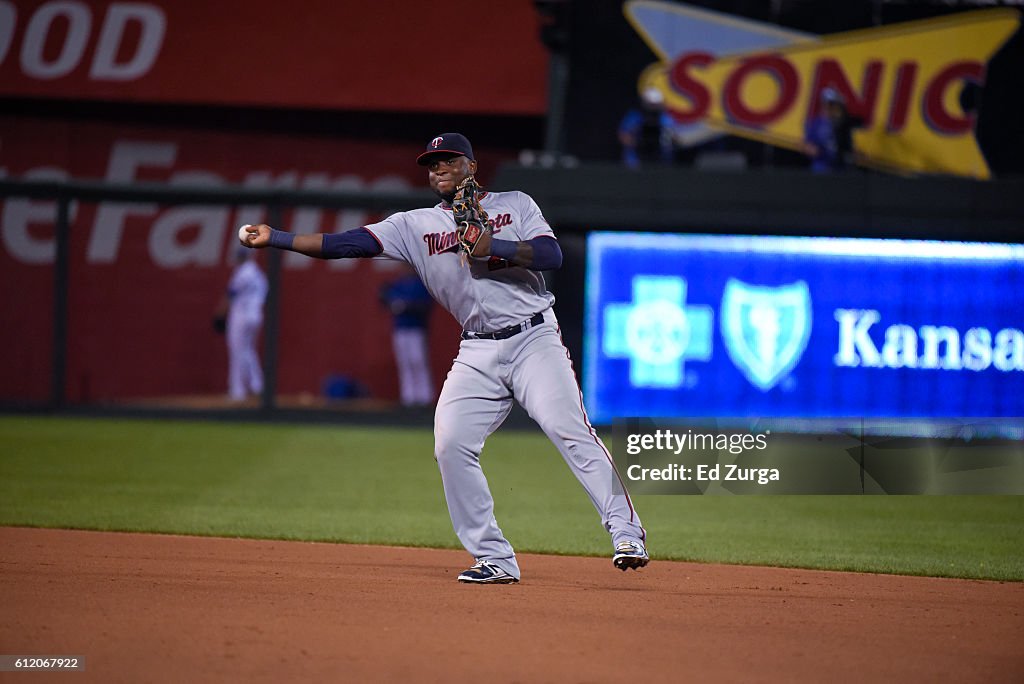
(486, 573)
(630, 554)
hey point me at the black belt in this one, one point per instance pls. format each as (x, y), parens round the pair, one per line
(505, 333)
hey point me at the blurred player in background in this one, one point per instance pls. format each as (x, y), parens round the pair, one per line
(243, 306)
(828, 137)
(646, 132)
(409, 303)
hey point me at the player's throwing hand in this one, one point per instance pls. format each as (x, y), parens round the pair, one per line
(257, 236)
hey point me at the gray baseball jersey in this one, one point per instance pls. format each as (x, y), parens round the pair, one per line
(531, 366)
(486, 294)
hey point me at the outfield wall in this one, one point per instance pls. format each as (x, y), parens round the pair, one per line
(143, 281)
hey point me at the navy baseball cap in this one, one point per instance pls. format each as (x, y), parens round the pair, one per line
(446, 144)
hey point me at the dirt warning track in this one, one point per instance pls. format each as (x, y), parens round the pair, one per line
(170, 608)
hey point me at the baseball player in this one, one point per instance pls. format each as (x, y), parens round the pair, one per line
(480, 255)
(246, 293)
(409, 303)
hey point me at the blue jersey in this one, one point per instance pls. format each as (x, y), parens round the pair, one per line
(822, 133)
(652, 136)
(409, 302)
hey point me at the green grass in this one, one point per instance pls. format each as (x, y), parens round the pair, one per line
(381, 486)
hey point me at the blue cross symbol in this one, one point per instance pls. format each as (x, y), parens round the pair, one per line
(657, 331)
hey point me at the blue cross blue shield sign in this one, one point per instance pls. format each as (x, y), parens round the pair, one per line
(765, 329)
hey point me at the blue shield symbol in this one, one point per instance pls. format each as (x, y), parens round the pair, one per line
(765, 329)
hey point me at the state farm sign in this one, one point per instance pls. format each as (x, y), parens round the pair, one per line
(210, 229)
(145, 277)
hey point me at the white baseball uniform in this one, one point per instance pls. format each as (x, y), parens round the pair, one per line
(412, 359)
(531, 366)
(247, 290)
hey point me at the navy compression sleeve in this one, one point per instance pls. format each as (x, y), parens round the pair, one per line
(350, 245)
(547, 255)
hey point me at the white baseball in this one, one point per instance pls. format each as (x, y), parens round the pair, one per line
(243, 234)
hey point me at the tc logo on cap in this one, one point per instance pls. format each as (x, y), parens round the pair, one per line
(451, 144)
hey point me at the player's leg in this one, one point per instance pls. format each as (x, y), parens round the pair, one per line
(236, 358)
(414, 367)
(400, 344)
(253, 367)
(423, 385)
(546, 387)
(473, 403)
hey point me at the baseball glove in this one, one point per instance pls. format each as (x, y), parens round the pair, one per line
(470, 217)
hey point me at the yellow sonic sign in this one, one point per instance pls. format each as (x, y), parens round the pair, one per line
(904, 80)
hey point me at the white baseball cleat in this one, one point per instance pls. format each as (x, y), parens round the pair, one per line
(630, 554)
(485, 572)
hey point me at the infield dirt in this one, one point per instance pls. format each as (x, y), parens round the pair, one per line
(169, 608)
